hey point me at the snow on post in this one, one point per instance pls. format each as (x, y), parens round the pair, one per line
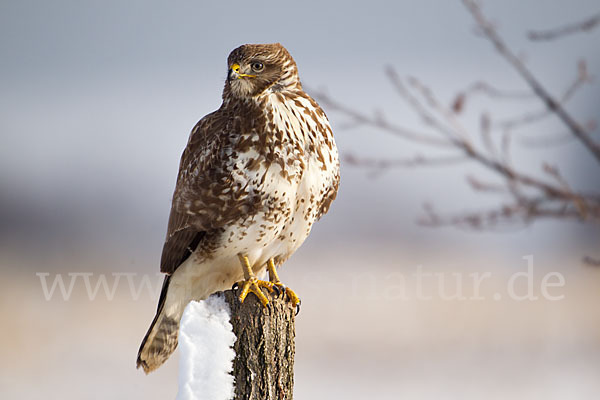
(229, 350)
(206, 342)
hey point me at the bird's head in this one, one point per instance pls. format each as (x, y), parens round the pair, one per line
(254, 69)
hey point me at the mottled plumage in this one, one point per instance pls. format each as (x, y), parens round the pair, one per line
(254, 177)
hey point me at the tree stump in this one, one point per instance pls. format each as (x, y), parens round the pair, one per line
(264, 363)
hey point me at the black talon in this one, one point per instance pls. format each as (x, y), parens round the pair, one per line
(235, 286)
(297, 308)
(277, 290)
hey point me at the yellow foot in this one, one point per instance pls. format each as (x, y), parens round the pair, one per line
(289, 293)
(254, 285)
(280, 287)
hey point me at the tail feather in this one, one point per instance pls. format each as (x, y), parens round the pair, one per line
(189, 282)
(161, 339)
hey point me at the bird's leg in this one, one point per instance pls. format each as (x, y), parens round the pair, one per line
(274, 278)
(252, 284)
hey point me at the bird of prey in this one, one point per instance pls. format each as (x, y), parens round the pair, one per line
(254, 177)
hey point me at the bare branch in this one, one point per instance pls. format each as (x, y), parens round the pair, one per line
(546, 140)
(459, 136)
(480, 186)
(526, 196)
(532, 117)
(427, 117)
(507, 215)
(571, 204)
(458, 104)
(416, 161)
(587, 25)
(578, 200)
(553, 105)
(358, 118)
(494, 92)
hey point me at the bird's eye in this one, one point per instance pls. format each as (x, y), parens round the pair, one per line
(257, 66)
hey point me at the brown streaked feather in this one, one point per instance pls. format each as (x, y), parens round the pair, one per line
(185, 230)
(207, 197)
(329, 197)
(152, 354)
(180, 244)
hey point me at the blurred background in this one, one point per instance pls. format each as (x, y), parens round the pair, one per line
(96, 103)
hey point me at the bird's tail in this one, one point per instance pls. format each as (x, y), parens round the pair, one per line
(161, 339)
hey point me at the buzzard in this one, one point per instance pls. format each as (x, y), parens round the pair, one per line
(254, 177)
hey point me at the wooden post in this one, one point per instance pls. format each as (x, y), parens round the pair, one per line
(264, 363)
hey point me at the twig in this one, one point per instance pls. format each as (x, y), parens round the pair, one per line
(458, 104)
(525, 119)
(507, 213)
(529, 196)
(359, 118)
(553, 105)
(417, 161)
(459, 136)
(582, 26)
(480, 186)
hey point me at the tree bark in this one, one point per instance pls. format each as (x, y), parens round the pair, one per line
(264, 363)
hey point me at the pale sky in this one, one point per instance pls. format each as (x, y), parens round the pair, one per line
(97, 100)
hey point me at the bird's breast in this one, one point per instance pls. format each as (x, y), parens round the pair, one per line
(290, 166)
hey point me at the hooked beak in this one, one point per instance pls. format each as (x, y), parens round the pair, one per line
(234, 73)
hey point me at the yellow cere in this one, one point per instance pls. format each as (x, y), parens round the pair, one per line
(236, 68)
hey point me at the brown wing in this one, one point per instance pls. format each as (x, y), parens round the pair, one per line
(182, 239)
(187, 226)
(207, 196)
